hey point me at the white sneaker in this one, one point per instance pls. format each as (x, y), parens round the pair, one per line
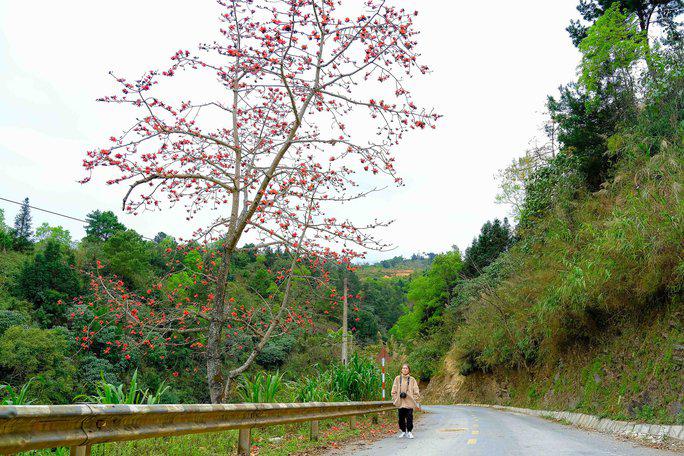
(401, 435)
(410, 435)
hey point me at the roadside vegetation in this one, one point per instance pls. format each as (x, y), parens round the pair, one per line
(48, 304)
(580, 307)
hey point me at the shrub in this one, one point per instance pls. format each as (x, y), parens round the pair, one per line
(39, 353)
(11, 318)
(93, 369)
(276, 351)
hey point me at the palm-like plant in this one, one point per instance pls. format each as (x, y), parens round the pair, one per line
(108, 393)
(263, 387)
(12, 397)
(315, 389)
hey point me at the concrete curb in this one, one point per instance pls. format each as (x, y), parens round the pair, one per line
(651, 432)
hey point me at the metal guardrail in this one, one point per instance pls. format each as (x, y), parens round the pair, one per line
(33, 427)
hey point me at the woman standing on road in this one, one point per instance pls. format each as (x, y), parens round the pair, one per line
(406, 396)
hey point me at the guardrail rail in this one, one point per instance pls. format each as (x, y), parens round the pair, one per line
(33, 427)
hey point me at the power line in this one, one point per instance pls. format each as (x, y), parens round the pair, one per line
(55, 213)
(44, 210)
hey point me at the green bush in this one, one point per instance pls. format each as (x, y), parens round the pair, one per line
(11, 318)
(93, 369)
(276, 351)
(39, 353)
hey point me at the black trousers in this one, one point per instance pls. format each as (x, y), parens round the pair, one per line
(406, 419)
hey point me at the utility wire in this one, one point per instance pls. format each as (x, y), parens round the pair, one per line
(44, 210)
(55, 213)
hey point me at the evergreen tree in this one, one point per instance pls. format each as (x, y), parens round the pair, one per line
(48, 281)
(22, 222)
(102, 225)
(494, 239)
(159, 237)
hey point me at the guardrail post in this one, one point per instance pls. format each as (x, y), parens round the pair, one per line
(244, 442)
(314, 431)
(352, 421)
(79, 450)
(375, 418)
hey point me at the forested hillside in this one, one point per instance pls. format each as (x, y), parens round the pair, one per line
(51, 305)
(580, 307)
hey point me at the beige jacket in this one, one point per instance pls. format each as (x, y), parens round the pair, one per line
(409, 385)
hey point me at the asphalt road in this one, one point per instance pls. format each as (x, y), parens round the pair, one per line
(457, 430)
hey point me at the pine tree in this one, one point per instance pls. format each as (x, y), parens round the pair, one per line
(495, 238)
(102, 225)
(22, 222)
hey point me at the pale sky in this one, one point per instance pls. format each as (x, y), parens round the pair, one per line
(493, 64)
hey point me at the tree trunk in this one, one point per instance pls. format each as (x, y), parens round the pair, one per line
(215, 380)
(214, 375)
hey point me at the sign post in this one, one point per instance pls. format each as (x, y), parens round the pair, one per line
(344, 324)
(382, 358)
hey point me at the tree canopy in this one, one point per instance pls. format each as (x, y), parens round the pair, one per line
(102, 225)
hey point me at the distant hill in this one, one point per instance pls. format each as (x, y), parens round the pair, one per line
(397, 266)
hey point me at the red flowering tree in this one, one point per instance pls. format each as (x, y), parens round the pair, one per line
(267, 145)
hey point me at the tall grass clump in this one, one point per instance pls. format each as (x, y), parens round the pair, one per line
(109, 393)
(262, 387)
(10, 396)
(315, 389)
(358, 380)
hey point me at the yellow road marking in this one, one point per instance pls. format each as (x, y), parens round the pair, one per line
(475, 432)
(472, 441)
